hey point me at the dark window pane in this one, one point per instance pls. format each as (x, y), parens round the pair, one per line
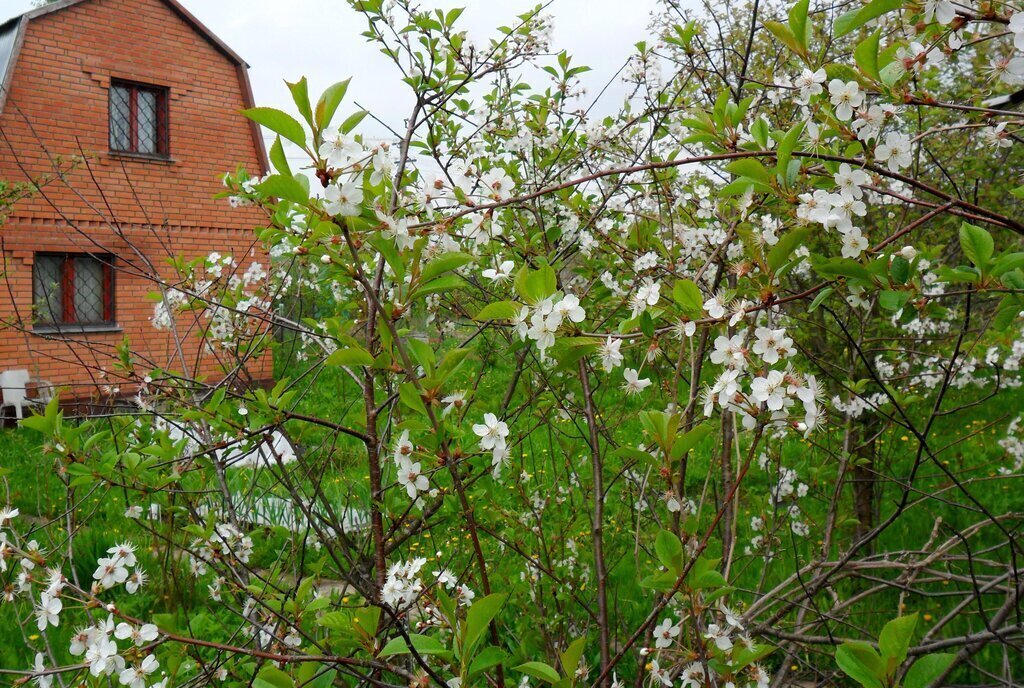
(147, 135)
(120, 118)
(89, 288)
(48, 294)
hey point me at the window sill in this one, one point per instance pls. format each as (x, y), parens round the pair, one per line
(104, 328)
(142, 157)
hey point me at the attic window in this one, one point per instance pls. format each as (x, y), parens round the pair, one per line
(138, 119)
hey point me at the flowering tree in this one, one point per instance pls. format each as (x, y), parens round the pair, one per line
(687, 395)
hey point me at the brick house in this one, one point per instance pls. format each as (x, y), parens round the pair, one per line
(151, 99)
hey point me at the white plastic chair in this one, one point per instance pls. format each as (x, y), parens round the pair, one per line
(15, 391)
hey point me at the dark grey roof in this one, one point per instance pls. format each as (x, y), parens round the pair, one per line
(8, 38)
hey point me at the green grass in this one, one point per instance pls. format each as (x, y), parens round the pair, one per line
(553, 457)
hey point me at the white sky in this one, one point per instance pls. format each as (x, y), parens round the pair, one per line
(320, 39)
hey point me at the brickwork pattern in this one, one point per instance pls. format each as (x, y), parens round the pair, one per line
(143, 211)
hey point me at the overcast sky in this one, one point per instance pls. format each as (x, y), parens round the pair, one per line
(286, 39)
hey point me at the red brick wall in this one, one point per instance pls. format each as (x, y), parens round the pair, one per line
(58, 106)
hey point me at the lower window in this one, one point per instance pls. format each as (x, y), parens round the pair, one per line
(73, 289)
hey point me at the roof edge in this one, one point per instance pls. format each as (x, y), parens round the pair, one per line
(176, 6)
(8, 69)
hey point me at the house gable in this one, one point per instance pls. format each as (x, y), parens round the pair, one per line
(12, 36)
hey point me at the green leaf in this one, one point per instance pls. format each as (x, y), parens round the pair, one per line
(272, 677)
(572, 655)
(352, 121)
(1007, 312)
(894, 640)
(893, 300)
(488, 657)
(926, 669)
(669, 550)
(842, 267)
(444, 263)
(688, 440)
(410, 396)
(784, 153)
(784, 34)
(386, 248)
(842, 72)
(422, 353)
(278, 122)
(759, 130)
(855, 19)
(977, 245)
(478, 618)
(798, 23)
(892, 72)
(500, 310)
(42, 423)
(300, 94)
(749, 168)
(687, 294)
(329, 102)
(278, 158)
(353, 356)
(536, 285)
(445, 283)
(866, 55)
(788, 242)
(1007, 263)
(539, 670)
(285, 187)
(899, 269)
(860, 662)
(423, 644)
(820, 299)
(663, 581)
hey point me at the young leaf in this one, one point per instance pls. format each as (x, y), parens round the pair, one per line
(539, 670)
(300, 94)
(278, 122)
(500, 310)
(278, 158)
(352, 121)
(895, 637)
(977, 245)
(410, 396)
(854, 19)
(477, 620)
(444, 263)
(785, 150)
(272, 677)
(861, 662)
(688, 296)
(423, 644)
(926, 669)
(329, 102)
(572, 655)
(349, 357)
(286, 187)
(788, 242)
(749, 168)
(485, 659)
(669, 550)
(866, 55)
(784, 34)
(798, 23)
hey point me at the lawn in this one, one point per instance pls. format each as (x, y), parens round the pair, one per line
(545, 464)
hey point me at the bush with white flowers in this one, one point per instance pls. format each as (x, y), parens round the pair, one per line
(696, 392)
